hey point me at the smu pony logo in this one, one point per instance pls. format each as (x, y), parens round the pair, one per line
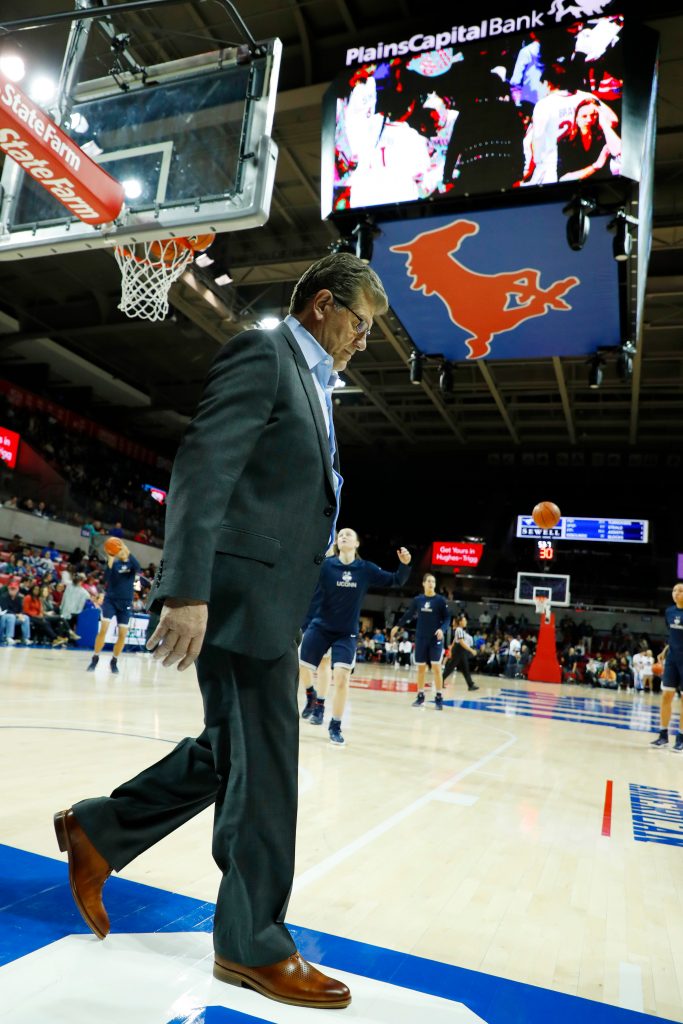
(484, 305)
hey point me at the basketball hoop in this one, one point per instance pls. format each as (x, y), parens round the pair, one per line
(542, 603)
(148, 270)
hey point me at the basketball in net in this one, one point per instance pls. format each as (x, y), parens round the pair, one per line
(148, 269)
(546, 514)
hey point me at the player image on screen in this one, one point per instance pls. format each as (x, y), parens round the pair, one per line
(332, 625)
(431, 612)
(475, 118)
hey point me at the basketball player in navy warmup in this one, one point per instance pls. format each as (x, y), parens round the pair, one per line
(119, 578)
(431, 612)
(333, 624)
(672, 679)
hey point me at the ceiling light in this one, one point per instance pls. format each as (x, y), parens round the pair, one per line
(203, 260)
(625, 358)
(415, 364)
(42, 89)
(596, 372)
(364, 233)
(268, 323)
(446, 378)
(224, 279)
(78, 123)
(578, 221)
(623, 239)
(13, 67)
(132, 188)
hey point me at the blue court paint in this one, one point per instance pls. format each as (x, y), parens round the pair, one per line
(218, 1015)
(36, 909)
(614, 713)
(657, 815)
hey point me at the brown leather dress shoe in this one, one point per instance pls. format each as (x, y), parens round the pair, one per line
(293, 981)
(88, 871)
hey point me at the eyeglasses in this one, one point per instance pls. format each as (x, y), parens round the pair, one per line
(360, 328)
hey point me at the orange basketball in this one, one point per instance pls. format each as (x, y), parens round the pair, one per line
(546, 514)
(658, 669)
(201, 242)
(112, 545)
(167, 250)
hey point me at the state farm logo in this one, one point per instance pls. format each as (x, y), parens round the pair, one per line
(39, 146)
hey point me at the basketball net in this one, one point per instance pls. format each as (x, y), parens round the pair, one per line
(543, 607)
(148, 270)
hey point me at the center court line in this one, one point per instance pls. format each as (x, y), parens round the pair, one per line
(326, 865)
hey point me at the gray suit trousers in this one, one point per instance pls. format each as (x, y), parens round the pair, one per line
(246, 762)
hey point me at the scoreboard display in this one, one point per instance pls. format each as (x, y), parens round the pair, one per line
(615, 531)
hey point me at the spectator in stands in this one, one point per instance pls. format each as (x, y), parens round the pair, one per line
(143, 536)
(26, 505)
(41, 510)
(608, 676)
(116, 530)
(11, 613)
(52, 616)
(11, 503)
(50, 551)
(74, 601)
(41, 628)
(625, 679)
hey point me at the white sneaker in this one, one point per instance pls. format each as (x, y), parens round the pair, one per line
(11, 642)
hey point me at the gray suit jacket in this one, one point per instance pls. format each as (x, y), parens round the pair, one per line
(251, 499)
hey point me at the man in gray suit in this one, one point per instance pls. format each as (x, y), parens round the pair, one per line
(251, 509)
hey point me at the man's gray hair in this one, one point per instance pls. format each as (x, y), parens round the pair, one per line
(346, 276)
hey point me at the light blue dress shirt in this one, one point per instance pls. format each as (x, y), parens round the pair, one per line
(321, 365)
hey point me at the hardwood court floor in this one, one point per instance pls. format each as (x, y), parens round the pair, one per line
(471, 837)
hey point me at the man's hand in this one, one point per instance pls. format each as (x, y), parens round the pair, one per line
(180, 634)
(404, 555)
(439, 634)
(394, 631)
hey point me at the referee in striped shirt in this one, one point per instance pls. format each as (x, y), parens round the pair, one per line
(458, 658)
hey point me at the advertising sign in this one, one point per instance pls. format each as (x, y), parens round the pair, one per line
(9, 447)
(451, 553)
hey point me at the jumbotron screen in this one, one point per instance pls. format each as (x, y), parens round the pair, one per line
(474, 109)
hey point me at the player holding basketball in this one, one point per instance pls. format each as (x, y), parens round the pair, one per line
(119, 577)
(672, 679)
(458, 658)
(431, 612)
(335, 610)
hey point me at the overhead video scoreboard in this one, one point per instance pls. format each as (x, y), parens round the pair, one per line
(615, 531)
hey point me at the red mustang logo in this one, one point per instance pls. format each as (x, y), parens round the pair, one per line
(484, 305)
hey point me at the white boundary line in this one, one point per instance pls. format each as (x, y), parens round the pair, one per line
(326, 865)
(630, 986)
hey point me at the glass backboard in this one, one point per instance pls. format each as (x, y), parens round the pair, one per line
(190, 141)
(531, 584)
